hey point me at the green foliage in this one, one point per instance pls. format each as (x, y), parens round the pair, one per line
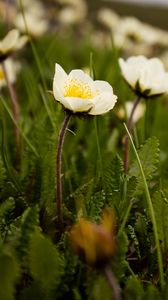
(160, 203)
(112, 180)
(151, 293)
(46, 264)
(120, 257)
(6, 216)
(29, 221)
(9, 272)
(133, 289)
(100, 290)
(149, 156)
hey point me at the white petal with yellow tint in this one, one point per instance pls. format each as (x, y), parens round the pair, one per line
(9, 41)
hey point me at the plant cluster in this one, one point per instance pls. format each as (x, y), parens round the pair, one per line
(83, 197)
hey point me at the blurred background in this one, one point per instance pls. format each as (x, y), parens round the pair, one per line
(152, 11)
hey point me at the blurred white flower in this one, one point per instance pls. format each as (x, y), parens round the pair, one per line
(33, 7)
(125, 113)
(37, 25)
(145, 76)
(130, 27)
(108, 18)
(72, 12)
(100, 40)
(77, 92)
(164, 59)
(138, 113)
(11, 42)
(12, 68)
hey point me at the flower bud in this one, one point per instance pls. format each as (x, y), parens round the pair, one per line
(94, 243)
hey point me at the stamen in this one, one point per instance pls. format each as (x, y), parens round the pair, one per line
(78, 89)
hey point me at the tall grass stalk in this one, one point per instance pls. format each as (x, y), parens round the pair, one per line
(151, 210)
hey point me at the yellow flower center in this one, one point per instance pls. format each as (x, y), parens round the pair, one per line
(2, 75)
(77, 89)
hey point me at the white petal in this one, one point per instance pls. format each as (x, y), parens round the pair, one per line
(103, 86)
(161, 86)
(152, 77)
(65, 103)
(103, 103)
(78, 104)
(81, 76)
(60, 79)
(155, 65)
(10, 41)
(131, 68)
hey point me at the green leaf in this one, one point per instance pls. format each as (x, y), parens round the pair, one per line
(6, 214)
(120, 265)
(46, 264)
(160, 204)
(112, 180)
(29, 221)
(133, 237)
(100, 290)
(2, 173)
(133, 290)
(152, 294)
(149, 157)
(9, 272)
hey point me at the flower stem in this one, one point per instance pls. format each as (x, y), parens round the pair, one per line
(58, 170)
(15, 109)
(126, 216)
(151, 210)
(98, 147)
(130, 126)
(113, 283)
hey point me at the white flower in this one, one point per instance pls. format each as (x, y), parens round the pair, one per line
(72, 12)
(108, 18)
(146, 76)
(77, 92)
(138, 113)
(36, 24)
(11, 42)
(12, 68)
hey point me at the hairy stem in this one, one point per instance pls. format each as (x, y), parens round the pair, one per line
(15, 110)
(58, 170)
(130, 127)
(113, 283)
(151, 211)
